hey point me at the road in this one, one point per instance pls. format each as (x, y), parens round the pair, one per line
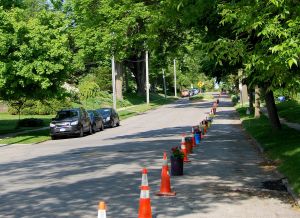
(68, 177)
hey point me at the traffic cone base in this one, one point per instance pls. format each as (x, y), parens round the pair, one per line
(169, 194)
(145, 208)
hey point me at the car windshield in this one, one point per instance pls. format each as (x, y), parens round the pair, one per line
(66, 114)
(105, 112)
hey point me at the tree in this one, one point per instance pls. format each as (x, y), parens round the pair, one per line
(262, 37)
(34, 54)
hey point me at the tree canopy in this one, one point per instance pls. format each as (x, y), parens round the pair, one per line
(45, 43)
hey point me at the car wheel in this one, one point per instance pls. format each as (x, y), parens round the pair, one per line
(112, 124)
(53, 137)
(94, 129)
(81, 132)
(118, 123)
(90, 130)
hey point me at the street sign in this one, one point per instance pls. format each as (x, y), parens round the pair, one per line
(200, 84)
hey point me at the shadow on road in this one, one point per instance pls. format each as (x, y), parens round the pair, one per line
(224, 169)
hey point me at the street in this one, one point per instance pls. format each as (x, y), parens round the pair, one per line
(68, 177)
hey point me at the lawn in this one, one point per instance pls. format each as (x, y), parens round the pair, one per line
(137, 109)
(201, 96)
(283, 145)
(8, 122)
(28, 138)
(290, 110)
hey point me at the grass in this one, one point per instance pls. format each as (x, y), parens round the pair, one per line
(289, 110)
(138, 109)
(283, 145)
(8, 122)
(28, 138)
(201, 96)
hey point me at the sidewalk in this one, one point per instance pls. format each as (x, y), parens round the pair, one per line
(283, 121)
(226, 177)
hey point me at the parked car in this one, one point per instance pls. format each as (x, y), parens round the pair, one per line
(185, 93)
(70, 122)
(191, 92)
(110, 117)
(96, 120)
(196, 91)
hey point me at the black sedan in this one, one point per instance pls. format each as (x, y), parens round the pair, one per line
(96, 121)
(110, 117)
(70, 122)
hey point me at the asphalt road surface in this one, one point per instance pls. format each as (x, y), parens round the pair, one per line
(68, 177)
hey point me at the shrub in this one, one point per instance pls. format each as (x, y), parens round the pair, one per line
(30, 122)
(32, 107)
(235, 99)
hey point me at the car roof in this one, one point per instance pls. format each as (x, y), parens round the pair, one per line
(70, 109)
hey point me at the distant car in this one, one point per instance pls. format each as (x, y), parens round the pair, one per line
(196, 91)
(185, 93)
(96, 121)
(110, 117)
(281, 99)
(70, 122)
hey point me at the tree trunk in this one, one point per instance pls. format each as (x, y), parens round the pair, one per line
(126, 80)
(272, 110)
(119, 80)
(257, 102)
(137, 66)
(251, 99)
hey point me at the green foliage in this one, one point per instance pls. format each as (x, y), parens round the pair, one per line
(30, 122)
(102, 76)
(270, 29)
(234, 99)
(31, 107)
(289, 110)
(88, 88)
(34, 54)
(177, 153)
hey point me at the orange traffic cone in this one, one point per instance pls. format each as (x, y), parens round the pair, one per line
(145, 204)
(102, 210)
(165, 185)
(183, 149)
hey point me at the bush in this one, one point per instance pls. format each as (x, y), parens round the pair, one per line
(32, 107)
(196, 97)
(30, 122)
(235, 99)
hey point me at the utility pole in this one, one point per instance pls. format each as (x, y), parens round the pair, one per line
(164, 78)
(175, 88)
(113, 76)
(147, 78)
